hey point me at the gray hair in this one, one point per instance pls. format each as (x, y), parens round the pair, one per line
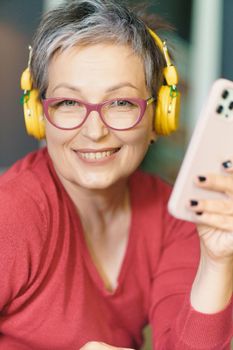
(87, 22)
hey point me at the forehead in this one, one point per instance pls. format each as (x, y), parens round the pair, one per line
(97, 63)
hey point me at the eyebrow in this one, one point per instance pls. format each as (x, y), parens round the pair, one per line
(120, 86)
(110, 89)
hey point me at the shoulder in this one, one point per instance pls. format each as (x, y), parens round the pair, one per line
(24, 195)
(149, 196)
(33, 202)
(27, 197)
(152, 197)
(29, 178)
(22, 227)
(26, 168)
(151, 187)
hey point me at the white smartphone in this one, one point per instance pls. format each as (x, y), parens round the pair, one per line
(211, 144)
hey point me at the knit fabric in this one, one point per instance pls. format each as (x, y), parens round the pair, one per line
(51, 294)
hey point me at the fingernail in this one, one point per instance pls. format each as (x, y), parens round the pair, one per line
(202, 178)
(199, 213)
(227, 164)
(193, 203)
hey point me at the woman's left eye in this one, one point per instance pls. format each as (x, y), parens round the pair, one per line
(121, 103)
(69, 103)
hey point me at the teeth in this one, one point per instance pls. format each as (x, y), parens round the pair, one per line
(96, 155)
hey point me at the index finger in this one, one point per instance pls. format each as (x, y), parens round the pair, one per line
(219, 183)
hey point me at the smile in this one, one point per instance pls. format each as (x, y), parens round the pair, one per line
(97, 155)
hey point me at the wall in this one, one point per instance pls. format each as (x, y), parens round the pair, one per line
(17, 24)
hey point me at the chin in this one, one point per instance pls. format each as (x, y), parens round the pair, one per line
(94, 181)
(98, 181)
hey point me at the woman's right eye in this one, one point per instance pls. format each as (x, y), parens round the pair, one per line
(67, 103)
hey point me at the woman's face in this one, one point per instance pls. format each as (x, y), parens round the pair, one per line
(94, 156)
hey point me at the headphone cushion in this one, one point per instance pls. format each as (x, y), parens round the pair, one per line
(33, 115)
(167, 111)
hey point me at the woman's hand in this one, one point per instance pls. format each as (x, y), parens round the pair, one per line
(215, 217)
(213, 285)
(94, 345)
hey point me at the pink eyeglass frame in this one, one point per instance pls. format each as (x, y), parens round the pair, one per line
(97, 107)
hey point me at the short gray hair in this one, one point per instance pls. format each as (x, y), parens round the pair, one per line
(87, 22)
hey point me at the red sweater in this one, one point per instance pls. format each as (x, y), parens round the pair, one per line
(51, 295)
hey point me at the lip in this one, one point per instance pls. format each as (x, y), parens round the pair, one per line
(94, 161)
(94, 150)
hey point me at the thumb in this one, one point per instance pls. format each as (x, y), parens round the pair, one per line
(94, 345)
(110, 347)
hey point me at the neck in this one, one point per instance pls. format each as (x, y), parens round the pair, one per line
(97, 208)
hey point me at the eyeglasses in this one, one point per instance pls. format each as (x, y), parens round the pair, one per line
(118, 114)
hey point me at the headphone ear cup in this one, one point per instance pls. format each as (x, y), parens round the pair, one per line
(167, 111)
(33, 115)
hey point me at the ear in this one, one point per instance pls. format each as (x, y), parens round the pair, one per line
(153, 136)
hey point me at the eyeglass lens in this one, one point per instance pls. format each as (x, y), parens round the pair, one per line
(119, 114)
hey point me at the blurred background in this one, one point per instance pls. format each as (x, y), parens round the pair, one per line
(201, 45)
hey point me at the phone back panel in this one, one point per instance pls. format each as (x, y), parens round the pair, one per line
(210, 145)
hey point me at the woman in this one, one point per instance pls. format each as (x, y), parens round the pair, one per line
(89, 253)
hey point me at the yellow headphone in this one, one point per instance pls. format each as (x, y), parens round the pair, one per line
(166, 113)
(32, 106)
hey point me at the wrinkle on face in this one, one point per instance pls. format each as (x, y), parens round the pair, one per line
(94, 74)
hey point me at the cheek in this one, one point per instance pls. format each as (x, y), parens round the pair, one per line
(140, 136)
(139, 145)
(57, 137)
(53, 135)
(136, 144)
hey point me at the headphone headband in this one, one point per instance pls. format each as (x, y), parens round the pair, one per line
(169, 72)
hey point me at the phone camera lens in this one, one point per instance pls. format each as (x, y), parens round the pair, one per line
(225, 94)
(219, 109)
(231, 105)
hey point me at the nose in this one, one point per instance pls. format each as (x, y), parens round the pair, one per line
(94, 128)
